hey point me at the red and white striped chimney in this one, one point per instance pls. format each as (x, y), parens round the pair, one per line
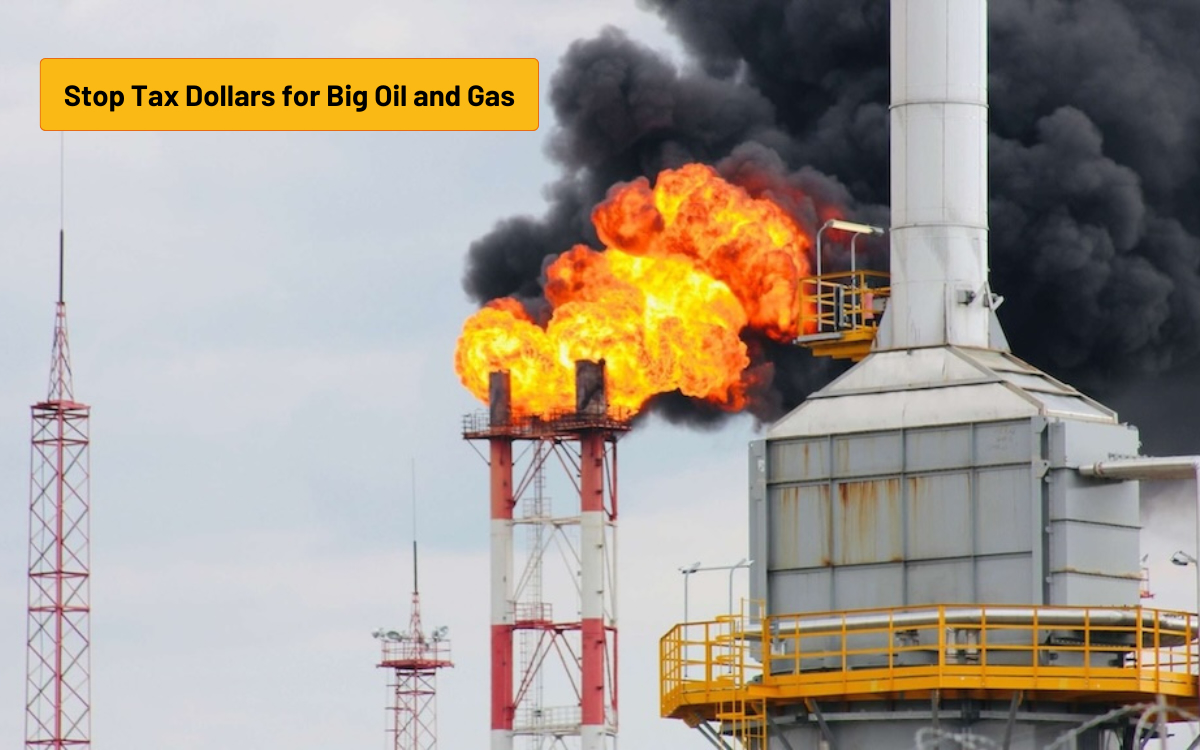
(501, 470)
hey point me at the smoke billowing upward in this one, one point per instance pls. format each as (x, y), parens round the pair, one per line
(1094, 167)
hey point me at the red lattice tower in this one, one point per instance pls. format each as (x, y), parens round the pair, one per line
(58, 669)
(414, 659)
(554, 663)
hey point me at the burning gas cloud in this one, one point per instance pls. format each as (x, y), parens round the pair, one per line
(688, 264)
(1095, 169)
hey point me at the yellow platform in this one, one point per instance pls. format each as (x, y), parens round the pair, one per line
(1106, 656)
(843, 312)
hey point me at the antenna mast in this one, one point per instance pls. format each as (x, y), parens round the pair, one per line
(414, 659)
(416, 590)
(58, 672)
(62, 211)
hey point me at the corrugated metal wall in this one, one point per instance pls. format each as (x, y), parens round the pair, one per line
(990, 512)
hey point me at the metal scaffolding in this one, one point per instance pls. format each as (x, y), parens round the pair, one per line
(560, 690)
(414, 658)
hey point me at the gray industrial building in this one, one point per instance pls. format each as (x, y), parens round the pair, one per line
(945, 538)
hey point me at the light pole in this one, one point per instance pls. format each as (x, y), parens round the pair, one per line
(687, 570)
(743, 563)
(846, 226)
(1183, 560)
(696, 567)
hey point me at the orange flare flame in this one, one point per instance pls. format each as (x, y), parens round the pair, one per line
(688, 265)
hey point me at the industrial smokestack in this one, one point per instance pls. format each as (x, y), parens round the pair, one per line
(499, 399)
(939, 133)
(591, 396)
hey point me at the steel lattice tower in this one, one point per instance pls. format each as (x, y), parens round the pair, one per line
(529, 597)
(558, 687)
(58, 669)
(414, 659)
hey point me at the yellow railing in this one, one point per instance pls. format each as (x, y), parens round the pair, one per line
(1077, 654)
(841, 312)
(706, 660)
(843, 301)
(723, 663)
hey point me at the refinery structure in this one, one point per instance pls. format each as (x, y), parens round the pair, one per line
(945, 538)
(553, 663)
(943, 541)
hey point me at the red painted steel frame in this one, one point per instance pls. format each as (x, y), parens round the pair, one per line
(58, 668)
(503, 709)
(415, 661)
(592, 661)
(591, 498)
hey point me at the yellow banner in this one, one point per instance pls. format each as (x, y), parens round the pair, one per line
(289, 94)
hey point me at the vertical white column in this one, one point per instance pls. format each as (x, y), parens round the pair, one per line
(939, 174)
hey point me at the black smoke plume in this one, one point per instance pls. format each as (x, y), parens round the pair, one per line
(1095, 169)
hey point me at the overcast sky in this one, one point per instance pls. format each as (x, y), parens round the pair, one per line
(264, 325)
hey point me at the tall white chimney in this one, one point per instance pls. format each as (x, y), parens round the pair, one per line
(939, 175)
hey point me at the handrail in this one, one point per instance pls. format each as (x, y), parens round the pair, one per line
(1099, 653)
(842, 301)
(915, 617)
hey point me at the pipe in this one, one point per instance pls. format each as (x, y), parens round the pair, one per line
(1168, 468)
(1165, 468)
(1177, 468)
(591, 398)
(502, 706)
(592, 559)
(939, 117)
(975, 616)
(501, 506)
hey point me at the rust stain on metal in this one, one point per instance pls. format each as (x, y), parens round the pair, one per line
(939, 515)
(841, 457)
(825, 511)
(786, 552)
(792, 548)
(921, 507)
(1099, 573)
(870, 512)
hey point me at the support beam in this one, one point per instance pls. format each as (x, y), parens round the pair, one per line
(815, 710)
(1012, 718)
(592, 562)
(711, 735)
(935, 705)
(776, 732)
(501, 468)
(502, 593)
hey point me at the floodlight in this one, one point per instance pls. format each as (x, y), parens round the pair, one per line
(854, 226)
